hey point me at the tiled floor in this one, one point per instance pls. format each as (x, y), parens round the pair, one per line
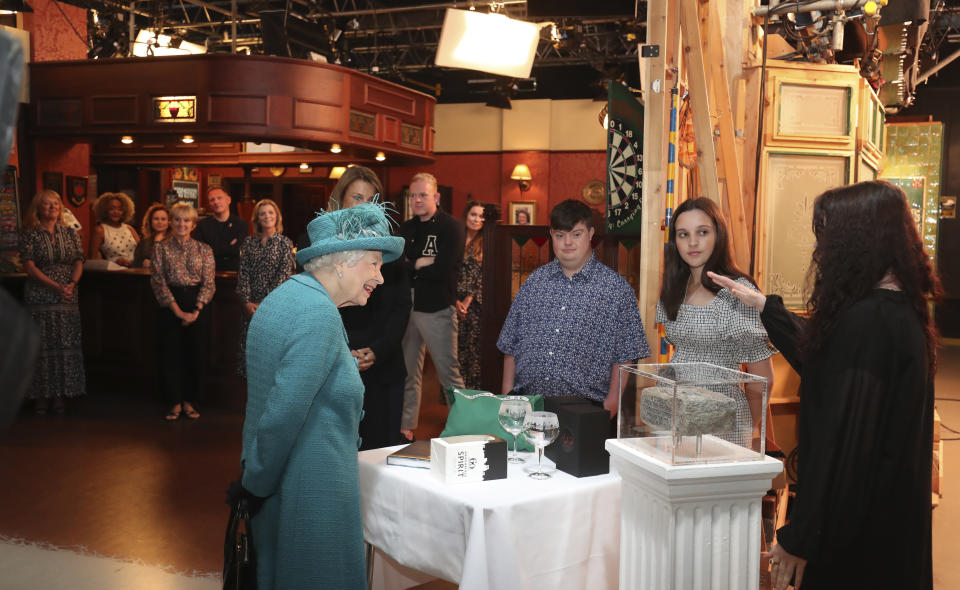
(113, 478)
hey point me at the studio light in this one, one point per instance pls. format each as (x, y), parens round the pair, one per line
(381, 156)
(335, 148)
(126, 139)
(149, 44)
(187, 139)
(487, 42)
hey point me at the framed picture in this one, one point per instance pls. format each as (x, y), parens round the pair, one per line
(522, 213)
(77, 190)
(188, 191)
(407, 203)
(53, 181)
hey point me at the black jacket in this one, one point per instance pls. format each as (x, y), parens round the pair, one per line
(224, 238)
(442, 236)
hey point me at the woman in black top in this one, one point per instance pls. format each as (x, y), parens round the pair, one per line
(376, 329)
(866, 358)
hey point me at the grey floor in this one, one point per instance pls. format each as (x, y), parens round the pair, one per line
(946, 517)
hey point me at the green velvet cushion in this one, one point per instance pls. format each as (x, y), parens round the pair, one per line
(478, 412)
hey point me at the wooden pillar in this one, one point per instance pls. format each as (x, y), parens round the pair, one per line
(663, 30)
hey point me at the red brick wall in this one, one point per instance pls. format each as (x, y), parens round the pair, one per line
(58, 32)
(486, 177)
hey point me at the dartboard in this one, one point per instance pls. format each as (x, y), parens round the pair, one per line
(624, 171)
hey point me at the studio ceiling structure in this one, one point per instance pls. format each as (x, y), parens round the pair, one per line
(590, 42)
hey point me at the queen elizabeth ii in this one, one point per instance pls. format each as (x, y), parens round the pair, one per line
(304, 407)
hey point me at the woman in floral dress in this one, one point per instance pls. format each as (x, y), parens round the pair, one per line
(53, 260)
(470, 296)
(266, 260)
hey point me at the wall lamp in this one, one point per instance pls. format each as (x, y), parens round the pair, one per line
(521, 173)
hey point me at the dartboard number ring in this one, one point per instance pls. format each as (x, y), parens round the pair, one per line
(624, 170)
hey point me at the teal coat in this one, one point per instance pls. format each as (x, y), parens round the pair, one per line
(304, 406)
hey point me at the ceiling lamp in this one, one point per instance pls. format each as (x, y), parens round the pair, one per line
(187, 139)
(381, 156)
(149, 44)
(487, 42)
(304, 166)
(337, 171)
(126, 139)
(335, 148)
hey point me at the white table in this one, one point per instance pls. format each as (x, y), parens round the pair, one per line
(510, 534)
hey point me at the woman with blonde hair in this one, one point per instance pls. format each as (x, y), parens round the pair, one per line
(266, 260)
(53, 260)
(114, 238)
(154, 228)
(183, 283)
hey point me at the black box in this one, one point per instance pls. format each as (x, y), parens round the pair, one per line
(584, 428)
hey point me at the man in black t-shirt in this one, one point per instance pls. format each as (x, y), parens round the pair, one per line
(433, 252)
(222, 231)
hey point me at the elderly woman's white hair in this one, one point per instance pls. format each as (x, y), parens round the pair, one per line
(329, 261)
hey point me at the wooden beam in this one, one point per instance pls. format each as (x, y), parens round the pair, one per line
(663, 30)
(699, 100)
(725, 132)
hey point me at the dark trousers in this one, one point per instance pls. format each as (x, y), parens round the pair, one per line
(382, 404)
(183, 354)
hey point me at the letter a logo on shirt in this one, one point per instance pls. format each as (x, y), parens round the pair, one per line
(430, 248)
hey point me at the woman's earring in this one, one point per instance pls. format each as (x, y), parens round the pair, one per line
(340, 274)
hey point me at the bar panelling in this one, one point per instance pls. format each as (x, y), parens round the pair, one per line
(238, 98)
(113, 110)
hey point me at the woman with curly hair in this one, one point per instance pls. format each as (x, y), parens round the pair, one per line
(155, 226)
(866, 356)
(114, 238)
(53, 260)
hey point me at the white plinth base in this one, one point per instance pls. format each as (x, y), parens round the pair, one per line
(689, 527)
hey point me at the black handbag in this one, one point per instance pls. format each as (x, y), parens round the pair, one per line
(239, 560)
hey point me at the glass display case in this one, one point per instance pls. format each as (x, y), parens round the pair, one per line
(692, 412)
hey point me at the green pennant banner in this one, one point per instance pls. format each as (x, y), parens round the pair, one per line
(624, 160)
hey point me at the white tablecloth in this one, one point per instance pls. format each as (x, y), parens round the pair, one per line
(511, 534)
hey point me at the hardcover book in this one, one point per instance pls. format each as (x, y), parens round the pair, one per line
(416, 454)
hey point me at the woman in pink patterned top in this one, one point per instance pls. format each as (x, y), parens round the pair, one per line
(183, 283)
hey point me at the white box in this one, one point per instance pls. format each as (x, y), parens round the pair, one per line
(468, 458)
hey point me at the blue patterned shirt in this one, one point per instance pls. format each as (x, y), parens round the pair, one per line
(565, 334)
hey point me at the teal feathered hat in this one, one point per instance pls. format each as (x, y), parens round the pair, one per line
(361, 227)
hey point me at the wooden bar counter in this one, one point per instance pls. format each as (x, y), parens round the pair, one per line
(119, 322)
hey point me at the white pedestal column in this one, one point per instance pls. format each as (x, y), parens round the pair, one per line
(689, 527)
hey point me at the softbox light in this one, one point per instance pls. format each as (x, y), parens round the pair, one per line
(490, 43)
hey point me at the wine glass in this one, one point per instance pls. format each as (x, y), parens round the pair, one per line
(540, 428)
(513, 409)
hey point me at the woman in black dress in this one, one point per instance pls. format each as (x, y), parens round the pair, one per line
(53, 260)
(376, 329)
(266, 260)
(866, 359)
(470, 296)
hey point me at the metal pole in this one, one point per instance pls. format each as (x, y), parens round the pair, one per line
(940, 65)
(233, 26)
(130, 32)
